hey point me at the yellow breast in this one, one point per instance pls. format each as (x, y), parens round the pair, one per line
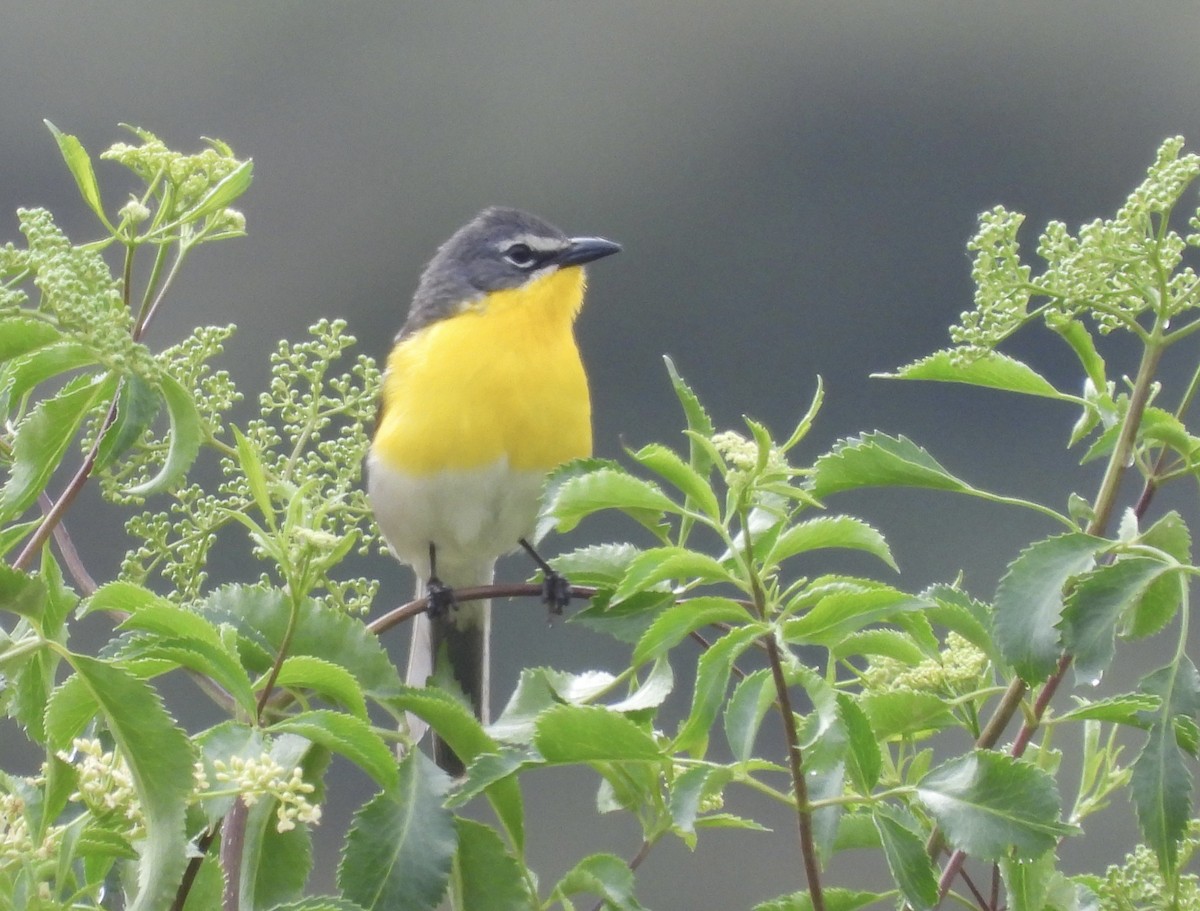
(502, 379)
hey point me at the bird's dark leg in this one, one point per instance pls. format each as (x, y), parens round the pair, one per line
(439, 596)
(556, 590)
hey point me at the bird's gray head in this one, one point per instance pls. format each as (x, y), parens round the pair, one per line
(499, 248)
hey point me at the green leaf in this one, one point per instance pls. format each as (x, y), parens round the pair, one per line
(987, 804)
(744, 712)
(463, 733)
(1126, 709)
(332, 681)
(1161, 783)
(21, 593)
(1081, 342)
(667, 465)
(187, 433)
(21, 334)
(1097, 601)
(345, 734)
(43, 363)
(1026, 882)
(580, 733)
(864, 759)
(878, 460)
(275, 865)
(604, 875)
(957, 611)
(261, 618)
(889, 643)
(835, 900)
(905, 713)
(698, 422)
(599, 565)
(679, 621)
(992, 369)
(42, 439)
(80, 166)
(401, 844)
(316, 903)
(137, 406)
(1162, 599)
(162, 776)
(712, 680)
(661, 564)
(1029, 601)
(145, 653)
(487, 877)
(842, 612)
(256, 478)
(831, 531)
(607, 488)
(224, 192)
(907, 859)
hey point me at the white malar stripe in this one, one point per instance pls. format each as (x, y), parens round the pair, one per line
(472, 516)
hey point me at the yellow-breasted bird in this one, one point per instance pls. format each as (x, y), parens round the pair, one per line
(483, 395)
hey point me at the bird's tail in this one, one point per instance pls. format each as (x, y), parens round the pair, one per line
(453, 645)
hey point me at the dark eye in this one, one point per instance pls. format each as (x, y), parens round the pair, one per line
(520, 256)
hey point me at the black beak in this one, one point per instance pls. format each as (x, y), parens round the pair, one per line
(585, 250)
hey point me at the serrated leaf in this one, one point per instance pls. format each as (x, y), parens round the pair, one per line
(261, 618)
(878, 460)
(42, 438)
(1026, 882)
(661, 564)
(907, 859)
(712, 680)
(1161, 783)
(162, 776)
(905, 713)
(598, 565)
(80, 166)
(256, 478)
(347, 735)
(843, 612)
(988, 804)
(604, 875)
(578, 733)
(667, 465)
(831, 531)
(224, 192)
(43, 363)
(1127, 709)
(744, 712)
(889, 643)
(864, 759)
(958, 612)
(137, 406)
(679, 621)
(606, 488)
(332, 681)
(488, 878)
(186, 435)
(21, 334)
(463, 733)
(1162, 598)
(835, 900)
(401, 844)
(1077, 336)
(1029, 601)
(992, 370)
(21, 593)
(1097, 602)
(698, 421)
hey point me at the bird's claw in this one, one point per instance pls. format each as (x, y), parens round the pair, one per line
(556, 592)
(439, 597)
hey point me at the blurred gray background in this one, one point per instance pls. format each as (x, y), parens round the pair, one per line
(793, 183)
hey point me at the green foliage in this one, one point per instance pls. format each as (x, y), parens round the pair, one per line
(892, 704)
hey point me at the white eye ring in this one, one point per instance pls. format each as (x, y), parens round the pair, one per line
(520, 255)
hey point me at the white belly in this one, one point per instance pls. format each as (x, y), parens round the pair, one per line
(471, 516)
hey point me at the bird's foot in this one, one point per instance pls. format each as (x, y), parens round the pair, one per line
(556, 592)
(439, 597)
